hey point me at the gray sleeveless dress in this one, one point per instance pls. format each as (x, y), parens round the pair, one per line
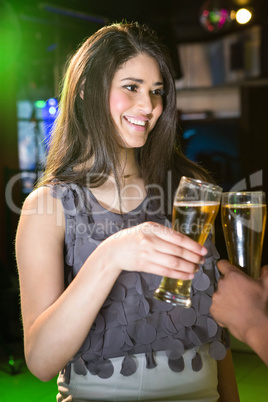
(139, 348)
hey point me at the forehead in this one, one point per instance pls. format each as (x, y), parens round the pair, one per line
(139, 66)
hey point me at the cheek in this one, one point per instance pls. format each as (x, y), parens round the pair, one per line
(118, 104)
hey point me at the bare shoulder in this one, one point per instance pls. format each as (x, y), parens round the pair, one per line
(40, 200)
(41, 228)
(41, 220)
(41, 205)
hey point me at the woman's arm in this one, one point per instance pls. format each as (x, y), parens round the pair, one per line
(227, 385)
(56, 321)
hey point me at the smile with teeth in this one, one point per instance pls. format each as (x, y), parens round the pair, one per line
(136, 122)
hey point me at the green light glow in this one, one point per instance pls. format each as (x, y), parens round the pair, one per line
(40, 104)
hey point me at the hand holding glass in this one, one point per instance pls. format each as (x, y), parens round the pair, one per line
(195, 208)
(243, 216)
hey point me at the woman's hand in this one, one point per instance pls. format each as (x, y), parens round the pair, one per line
(154, 248)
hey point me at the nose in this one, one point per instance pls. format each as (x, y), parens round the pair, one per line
(145, 103)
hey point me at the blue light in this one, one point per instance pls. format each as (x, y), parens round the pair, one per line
(52, 110)
(189, 133)
(49, 114)
(52, 102)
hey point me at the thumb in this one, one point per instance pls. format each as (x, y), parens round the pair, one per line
(225, 266)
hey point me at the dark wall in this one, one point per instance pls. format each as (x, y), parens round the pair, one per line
(254, 140)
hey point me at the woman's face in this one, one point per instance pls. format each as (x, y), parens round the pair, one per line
(136, 99)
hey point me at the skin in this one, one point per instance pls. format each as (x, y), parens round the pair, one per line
(241, 305)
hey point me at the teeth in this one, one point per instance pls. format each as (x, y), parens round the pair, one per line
(137, 122)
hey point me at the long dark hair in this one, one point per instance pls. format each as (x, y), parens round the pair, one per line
(84, 128)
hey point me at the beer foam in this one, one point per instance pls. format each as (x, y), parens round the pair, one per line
(195, 203)
(243, 206)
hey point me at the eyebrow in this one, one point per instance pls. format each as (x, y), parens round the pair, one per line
(139, 81)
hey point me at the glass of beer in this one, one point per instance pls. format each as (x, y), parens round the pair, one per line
(195, 208)
(243, 216)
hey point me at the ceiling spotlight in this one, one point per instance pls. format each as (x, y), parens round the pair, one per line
(243, 16)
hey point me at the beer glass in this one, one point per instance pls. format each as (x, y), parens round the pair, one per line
(243, 216)
(195, 207)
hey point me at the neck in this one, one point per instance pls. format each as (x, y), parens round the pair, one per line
(126, 176)
(128, 164)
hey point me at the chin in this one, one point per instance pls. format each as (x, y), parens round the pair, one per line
(136, 143)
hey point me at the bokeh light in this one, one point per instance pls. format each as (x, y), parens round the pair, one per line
(243, 16)
(215, 17)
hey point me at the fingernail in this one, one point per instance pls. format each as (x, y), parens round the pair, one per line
(204, 251)
(203, 260)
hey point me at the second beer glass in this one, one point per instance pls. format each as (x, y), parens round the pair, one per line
(195, 208)
(243, 216)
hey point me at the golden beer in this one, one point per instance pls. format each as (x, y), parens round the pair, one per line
(244, 228)
(194, 219)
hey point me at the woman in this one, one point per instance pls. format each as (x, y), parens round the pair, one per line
(94, 239)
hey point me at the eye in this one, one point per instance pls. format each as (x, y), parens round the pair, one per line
(159, 91)
(131, 87)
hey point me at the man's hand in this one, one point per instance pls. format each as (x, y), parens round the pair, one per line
(240, 302)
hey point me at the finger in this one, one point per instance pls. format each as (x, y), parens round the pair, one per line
(162, 270)
(174, 263)
(225, 266)
(151, 251)
(177, 238)
(177, 251)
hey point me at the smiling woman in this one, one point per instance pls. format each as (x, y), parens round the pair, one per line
(95, 238)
